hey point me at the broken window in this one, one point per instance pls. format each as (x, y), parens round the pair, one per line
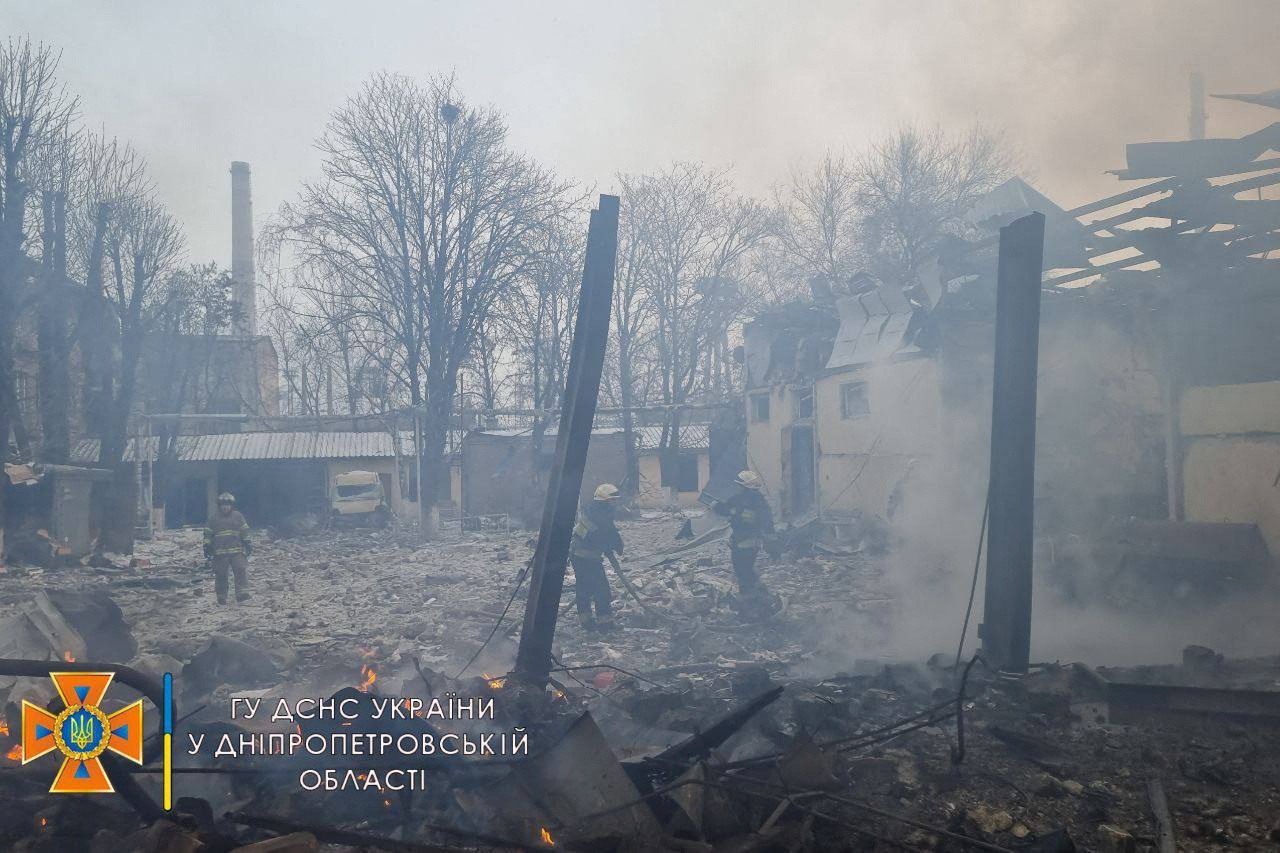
(804, 403)
(359, 489)
(759, 408)
(853, 400)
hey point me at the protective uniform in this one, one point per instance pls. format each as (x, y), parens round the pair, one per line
(593, 535)
(750, 528)
(227, 545)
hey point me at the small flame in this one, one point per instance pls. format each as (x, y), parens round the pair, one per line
(14, 753)
(546, 836)
(369, 674)
(44, 821)
(495, 682)
(68, 657)
(4, 726)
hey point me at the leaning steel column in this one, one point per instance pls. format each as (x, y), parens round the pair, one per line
(582, 386)
(1006, 626)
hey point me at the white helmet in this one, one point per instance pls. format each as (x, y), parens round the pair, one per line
(748, 479)
(607, 492)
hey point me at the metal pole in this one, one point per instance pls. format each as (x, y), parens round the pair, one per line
(1006, 627)
(582, 386)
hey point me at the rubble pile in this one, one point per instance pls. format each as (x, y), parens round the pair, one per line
(708, 729)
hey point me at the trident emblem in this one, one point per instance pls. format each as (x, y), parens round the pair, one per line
(83, 731)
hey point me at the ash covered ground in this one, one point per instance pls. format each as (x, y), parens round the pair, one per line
(863, 750)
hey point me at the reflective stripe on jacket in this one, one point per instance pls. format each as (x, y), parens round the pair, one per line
(227, 534)
(595, 533)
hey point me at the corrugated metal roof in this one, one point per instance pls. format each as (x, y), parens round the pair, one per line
(692, 437)
(235, 446)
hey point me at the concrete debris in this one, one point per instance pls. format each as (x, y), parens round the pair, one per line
(65, 625)
(225, 660)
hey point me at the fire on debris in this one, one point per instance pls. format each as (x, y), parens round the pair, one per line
(368, 676)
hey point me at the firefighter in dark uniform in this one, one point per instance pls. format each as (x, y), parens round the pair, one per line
(593, 536)
(750, 529)
(227, 545)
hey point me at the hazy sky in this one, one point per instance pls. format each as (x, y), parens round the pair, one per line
(592, 88)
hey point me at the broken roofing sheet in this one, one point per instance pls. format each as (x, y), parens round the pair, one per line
(873, 327)
(1064, 237)
(1192, 158)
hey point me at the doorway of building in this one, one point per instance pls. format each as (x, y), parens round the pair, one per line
(803, 476)
(195, 502)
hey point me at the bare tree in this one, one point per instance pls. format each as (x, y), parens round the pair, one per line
(424, 220)
(142, 248)
(182, 344)
(35, 114)
(692, 231)
(632, 327)
(817, 218)
(913, 188)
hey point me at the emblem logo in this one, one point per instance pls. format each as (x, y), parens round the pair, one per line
(82, 732)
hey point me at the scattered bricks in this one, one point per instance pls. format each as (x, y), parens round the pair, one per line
(1113, 839)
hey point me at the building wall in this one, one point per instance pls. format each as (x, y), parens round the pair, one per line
(862, 458)
(764, 439)
(1231, 455)
(498, 472)
(652, 493)
(1099, 431)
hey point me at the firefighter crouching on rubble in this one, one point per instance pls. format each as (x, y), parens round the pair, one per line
(227, 545)
(593, 536)
(750, 528)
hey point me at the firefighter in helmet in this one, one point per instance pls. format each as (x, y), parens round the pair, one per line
(227, 545)
(594, 535)
(750, 529)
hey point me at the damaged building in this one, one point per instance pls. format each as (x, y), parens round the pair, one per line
(1157, 383)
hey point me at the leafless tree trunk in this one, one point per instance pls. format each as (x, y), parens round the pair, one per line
(692, 232)
(423, 221)
(35, 113)
(913, 188)
(143, 245)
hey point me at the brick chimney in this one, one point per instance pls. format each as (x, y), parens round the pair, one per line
(243, 288)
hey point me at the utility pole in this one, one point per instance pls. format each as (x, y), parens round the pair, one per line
(1006, 626)
(582, 387)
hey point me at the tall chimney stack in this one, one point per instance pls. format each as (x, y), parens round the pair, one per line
(243, 288)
